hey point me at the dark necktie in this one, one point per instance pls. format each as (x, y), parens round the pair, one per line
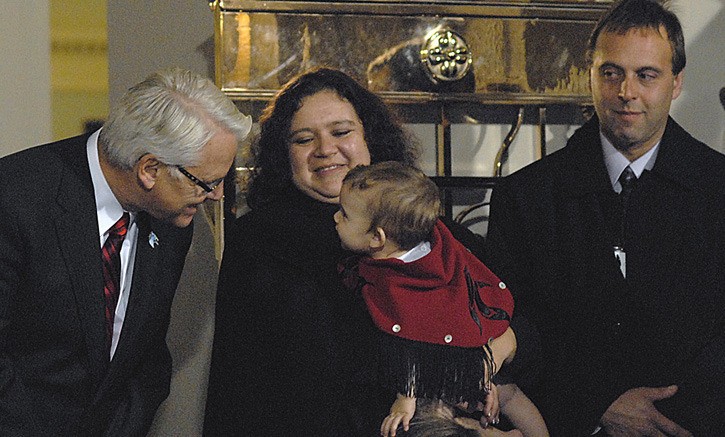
(627, 179)
(111, 255)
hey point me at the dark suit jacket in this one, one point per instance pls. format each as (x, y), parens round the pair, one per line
(550, 238)
(55, 375)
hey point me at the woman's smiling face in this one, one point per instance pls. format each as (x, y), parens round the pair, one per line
(326, 140)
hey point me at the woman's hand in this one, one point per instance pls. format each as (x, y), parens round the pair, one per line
(402, 410)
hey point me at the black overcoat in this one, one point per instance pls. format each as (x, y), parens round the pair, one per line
(550, 238)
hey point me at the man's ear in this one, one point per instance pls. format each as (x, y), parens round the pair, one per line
(677, 85)
(147, 170)
(377, 238)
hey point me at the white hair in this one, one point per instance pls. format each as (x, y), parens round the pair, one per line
(172, 114)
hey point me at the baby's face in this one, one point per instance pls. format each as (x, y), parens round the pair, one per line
(353, 221)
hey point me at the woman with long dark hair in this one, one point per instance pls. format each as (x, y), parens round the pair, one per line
(290, 341)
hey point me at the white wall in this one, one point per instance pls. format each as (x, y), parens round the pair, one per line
(147, 36)
(698, 108)
(24, 74)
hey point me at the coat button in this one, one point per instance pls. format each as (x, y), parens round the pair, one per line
(396, 328)
(448, 338)
(617, 329)
(502, 285)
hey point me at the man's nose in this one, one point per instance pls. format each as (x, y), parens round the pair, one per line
(216, 193)
(627, 89)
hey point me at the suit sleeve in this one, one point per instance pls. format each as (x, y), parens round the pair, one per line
(699, 403)
(143, 395)
(16, 418)
(700, 400)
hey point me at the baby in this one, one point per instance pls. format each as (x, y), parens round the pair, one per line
(443, 314)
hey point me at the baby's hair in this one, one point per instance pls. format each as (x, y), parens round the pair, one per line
(435, 418)
(401, 199)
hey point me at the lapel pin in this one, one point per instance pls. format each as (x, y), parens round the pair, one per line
(153, 240)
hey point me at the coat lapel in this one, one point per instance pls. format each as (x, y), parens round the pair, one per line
(586, 172)
(142, 299)
(672, 182)
(76, 225)
(670, 163)
(587, 198)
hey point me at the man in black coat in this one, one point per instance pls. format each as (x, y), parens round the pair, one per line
(626, 285)
(82, 343)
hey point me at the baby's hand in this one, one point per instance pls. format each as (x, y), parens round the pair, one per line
(402, 410)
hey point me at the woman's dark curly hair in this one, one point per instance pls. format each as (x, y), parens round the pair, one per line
(272, 175)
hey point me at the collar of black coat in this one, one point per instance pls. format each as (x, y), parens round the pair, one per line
(681, 160)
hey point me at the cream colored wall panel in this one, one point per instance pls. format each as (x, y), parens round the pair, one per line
(25, 118)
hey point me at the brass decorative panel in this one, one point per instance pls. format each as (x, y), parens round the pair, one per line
(520, 51)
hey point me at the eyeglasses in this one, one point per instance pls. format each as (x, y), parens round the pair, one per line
(208, 187)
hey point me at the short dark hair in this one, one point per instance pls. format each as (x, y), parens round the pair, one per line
(402, 200)
(272, 174)
(642, 14)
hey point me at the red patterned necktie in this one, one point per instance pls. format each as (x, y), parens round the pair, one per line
(111, 254)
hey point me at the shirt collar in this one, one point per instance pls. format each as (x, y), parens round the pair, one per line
(419, 251)
(616, 162)
(108, 209)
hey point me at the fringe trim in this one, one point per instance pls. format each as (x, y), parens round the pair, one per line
(427, 370)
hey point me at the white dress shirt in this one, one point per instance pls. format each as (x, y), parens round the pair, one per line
(108, 211)
(616, 162)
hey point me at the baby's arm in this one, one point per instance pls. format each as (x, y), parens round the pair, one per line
(499, 350)
(521, 412)
(402, 410)
(503, 348)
